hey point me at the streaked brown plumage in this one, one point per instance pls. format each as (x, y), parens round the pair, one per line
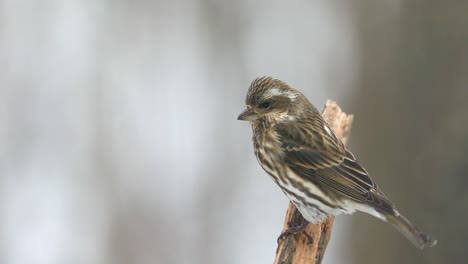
(295, 146)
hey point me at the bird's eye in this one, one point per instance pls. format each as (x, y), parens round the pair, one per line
(265, 104)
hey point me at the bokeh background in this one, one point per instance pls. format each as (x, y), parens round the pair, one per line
(119, 141)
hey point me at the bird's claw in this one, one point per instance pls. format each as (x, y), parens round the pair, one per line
(296, 230)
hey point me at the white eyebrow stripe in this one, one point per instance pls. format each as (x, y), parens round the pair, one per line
(276, 91)
(292, 96)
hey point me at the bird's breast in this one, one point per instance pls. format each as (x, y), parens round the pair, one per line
(268, 152)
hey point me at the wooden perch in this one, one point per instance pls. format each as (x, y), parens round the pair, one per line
(294, 249)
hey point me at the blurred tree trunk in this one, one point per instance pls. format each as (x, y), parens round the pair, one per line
(415, 68)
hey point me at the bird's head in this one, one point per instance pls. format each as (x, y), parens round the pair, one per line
(270, 99)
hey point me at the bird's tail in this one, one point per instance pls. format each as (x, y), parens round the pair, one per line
(405, 227)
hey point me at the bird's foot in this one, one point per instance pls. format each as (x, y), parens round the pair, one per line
(300, 229)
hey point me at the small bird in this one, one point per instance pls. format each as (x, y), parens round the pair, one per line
(300, 152)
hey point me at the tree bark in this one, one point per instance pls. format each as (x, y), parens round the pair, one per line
(295, 248)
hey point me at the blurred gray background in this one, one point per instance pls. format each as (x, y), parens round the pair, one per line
(119, 141)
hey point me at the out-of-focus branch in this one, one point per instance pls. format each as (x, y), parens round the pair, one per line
(294, 249)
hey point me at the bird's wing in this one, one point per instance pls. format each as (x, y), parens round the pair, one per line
(310, 145)
(315, 154)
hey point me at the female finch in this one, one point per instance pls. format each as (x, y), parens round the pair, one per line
(295, 146)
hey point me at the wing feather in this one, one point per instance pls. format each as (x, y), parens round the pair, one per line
(323, 159)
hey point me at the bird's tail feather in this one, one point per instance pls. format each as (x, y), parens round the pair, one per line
(405, 227)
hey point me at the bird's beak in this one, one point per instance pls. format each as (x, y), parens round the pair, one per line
(247, 115)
